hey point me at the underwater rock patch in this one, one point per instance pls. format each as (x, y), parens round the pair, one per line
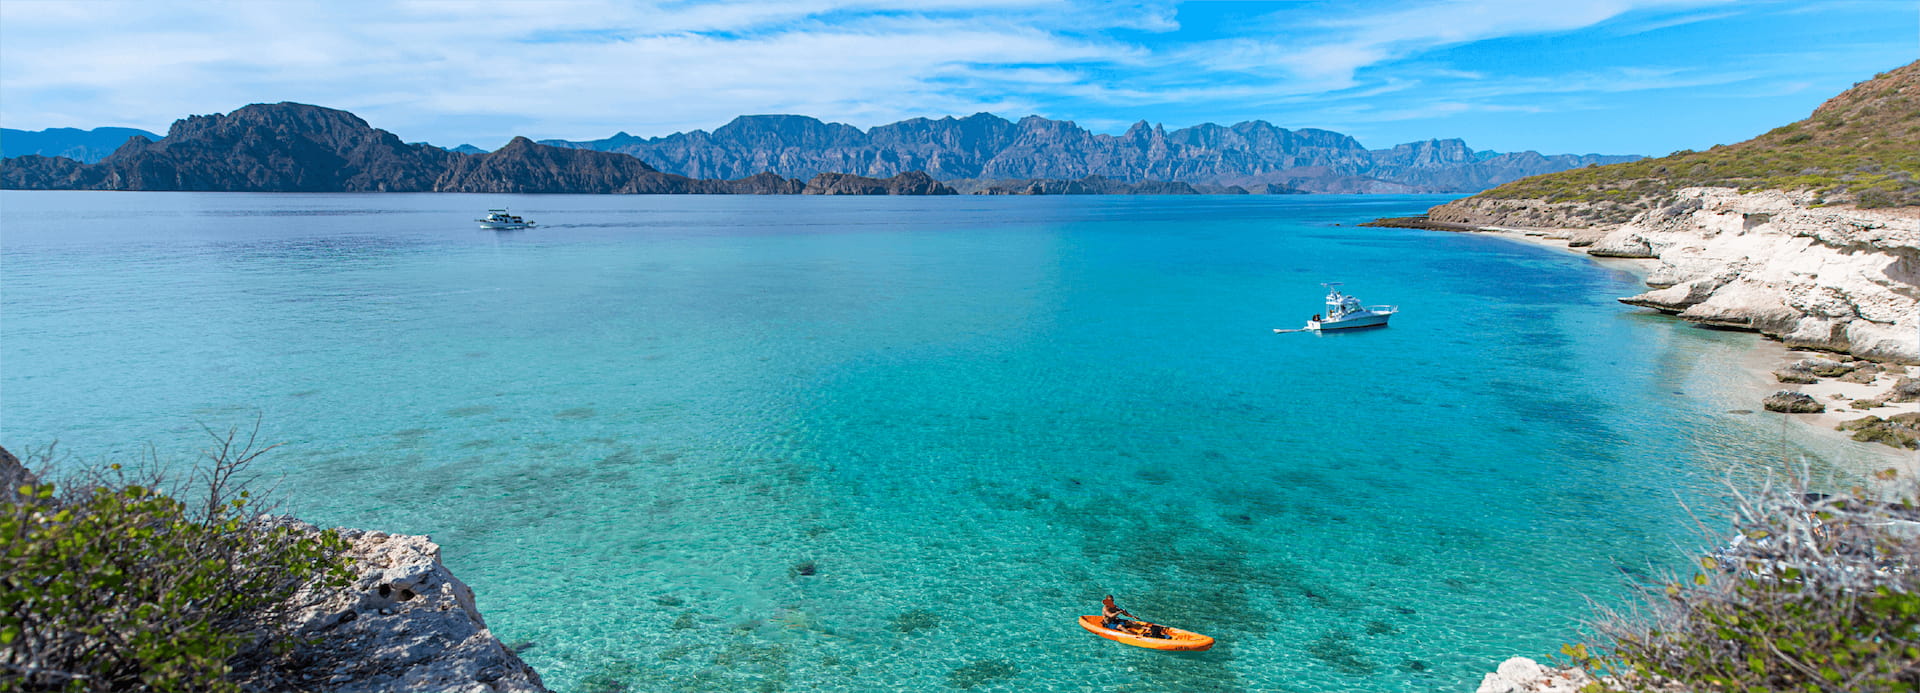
(612, 677)
(916, 620)
(981, 672)
(1337, 650)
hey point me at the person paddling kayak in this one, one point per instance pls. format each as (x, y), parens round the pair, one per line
(1110, 614)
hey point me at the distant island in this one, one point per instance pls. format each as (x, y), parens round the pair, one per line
(290, 147)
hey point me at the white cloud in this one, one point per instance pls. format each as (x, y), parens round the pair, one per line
(1329, 51)
(451, 71)
(582, 68)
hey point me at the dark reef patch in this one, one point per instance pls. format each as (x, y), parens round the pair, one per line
(1336, 649)
(612, 676)
(916, 620)
(981, 672)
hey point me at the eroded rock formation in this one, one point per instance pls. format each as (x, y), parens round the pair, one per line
(1832, 278)
(404, 623)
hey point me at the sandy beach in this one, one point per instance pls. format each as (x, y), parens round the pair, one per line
(1767, 356)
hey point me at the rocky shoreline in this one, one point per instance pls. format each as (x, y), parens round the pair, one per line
(404, 623)
(1838, 281)
(1829, 278)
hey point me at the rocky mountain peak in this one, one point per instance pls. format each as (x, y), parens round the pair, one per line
(778, 131)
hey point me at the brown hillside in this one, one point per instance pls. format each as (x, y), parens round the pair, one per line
(1860, 147)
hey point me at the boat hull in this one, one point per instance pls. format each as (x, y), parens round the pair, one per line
(494, 226)
(1355, 322)
(1178, 640)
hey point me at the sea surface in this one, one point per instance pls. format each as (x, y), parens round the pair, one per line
(901, 443)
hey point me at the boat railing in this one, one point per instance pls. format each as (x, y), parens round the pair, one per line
(1383, 309)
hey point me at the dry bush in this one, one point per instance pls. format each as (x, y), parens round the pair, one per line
(1816, 593)
(110, 581)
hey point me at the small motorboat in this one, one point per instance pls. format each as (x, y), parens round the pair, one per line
(500, 220)
(1137, 635)
(1345, 312)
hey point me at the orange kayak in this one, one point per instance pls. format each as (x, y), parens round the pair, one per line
(1176, 639)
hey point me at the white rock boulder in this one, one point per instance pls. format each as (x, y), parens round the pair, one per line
(1522, 675)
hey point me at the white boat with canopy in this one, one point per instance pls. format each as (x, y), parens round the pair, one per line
(500, 220)
(1345, 312)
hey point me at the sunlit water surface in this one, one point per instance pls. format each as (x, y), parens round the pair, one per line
(806, 443)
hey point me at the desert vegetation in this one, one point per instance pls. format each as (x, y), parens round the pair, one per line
(1815, 592)
(1862, 147)
(141, 577)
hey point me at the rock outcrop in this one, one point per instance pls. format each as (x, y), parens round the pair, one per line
(910, 183)
(13, 475)
(1531, 213)
(1831, 278)
(404, 623)
(1900, 430)
(1522, 675)
(1790, 402)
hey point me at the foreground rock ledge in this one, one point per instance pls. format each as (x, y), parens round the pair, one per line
(405, 623)
(1522, 675)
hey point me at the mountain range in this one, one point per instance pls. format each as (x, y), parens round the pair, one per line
(289, 147)
(84, 146)
(1251, 155)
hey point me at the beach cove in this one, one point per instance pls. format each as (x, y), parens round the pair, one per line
(774, 443)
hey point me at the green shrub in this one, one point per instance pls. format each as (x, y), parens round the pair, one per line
(110, 585)
(1817, 593)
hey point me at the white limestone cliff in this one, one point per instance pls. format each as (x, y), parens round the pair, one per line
(1832, 278)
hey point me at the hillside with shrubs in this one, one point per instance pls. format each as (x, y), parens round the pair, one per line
(1861, 147)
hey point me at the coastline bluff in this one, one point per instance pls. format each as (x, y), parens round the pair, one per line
(1808, 234)
(404, 623)
(1831, 278)
(1834, 278)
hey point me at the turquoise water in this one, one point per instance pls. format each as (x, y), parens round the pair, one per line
(805, 443)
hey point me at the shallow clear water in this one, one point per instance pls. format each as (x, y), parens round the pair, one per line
(636, 428)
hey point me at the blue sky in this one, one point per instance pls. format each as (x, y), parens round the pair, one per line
(1559, 76)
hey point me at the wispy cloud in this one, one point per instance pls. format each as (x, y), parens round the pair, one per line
(1330, 50)
(481, 71)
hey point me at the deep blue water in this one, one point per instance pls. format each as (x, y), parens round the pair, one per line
(632, 427)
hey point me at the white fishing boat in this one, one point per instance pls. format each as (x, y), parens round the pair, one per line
(1345, 312)
(500, 220)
